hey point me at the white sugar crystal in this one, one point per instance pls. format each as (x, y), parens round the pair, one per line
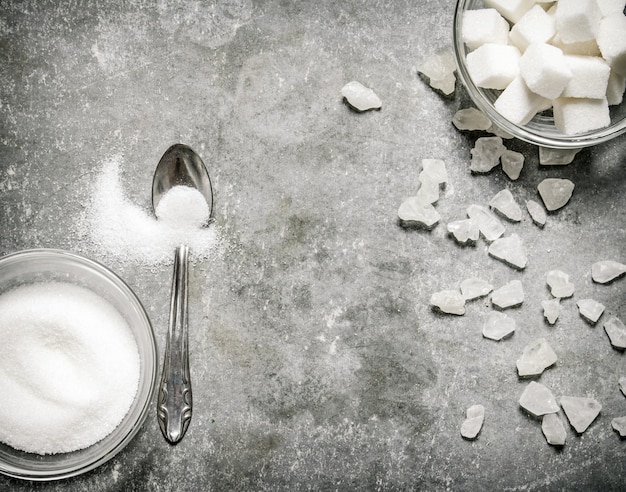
(535, 26)
(544, 70)
(512, 10)
(590, 77)
(464, 231)
(538, 400)
(435, 169)
(445, 85)
(603, 272)
(580, 411)
(622, 385)
(490, 227)
(359, 97)
(493, 66)
(590, 310)
(577, 20)
(439, 69)
(553, 429)
(498, 326)
(509, 295)
(612, 42)
(472, 288)
(499, 132)
(448, 301)
(556, 157)
(484, 26)
(611, 7)
(573, 116)
(559, 284)
(616, 332)
(413, 212)
(536, 358)
(428, 191)
(555, 192)
(512, 163)
(518, 104)
(471, 119)
(615, 88)
(486, 154)
(510, 250)
(504, 203)
(474, 422)
(551, 310)
(619, 425)
(584, 48)
(537, 213)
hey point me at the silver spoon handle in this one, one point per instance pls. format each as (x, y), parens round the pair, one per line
(174, 400)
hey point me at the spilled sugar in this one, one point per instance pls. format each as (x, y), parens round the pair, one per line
(114, 225)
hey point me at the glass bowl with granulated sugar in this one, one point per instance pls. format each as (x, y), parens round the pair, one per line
(77, 364)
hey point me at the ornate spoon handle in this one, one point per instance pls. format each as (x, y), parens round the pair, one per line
(174, 399)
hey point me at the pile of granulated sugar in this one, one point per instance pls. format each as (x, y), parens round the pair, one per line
(114, 225)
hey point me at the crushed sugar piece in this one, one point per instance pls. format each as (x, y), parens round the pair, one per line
(498, 326)
(616, 332)
(553, 430)
(428, 191)
(415, 213)
(512, 163)
(537, 213)
(439, 70)
(622, 385)
(580, 411)
(435, 169)
(448, 301)
(551, 310)
(504, 203)
(464, 231)
(555, 192)
(619, 425)
(536, 357)
(359, 97)
(590, 310)
(490, 227)
(471, 119)
(538, 400)
(556, 157)
(559, 284)
(510, 250)
(509, 295)
(486, 154)
(474, 422)
(603, 272)
(473, 288)
(499, 132)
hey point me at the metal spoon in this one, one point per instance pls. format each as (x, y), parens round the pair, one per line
(179, 166)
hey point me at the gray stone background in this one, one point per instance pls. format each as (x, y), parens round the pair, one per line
(317, 362)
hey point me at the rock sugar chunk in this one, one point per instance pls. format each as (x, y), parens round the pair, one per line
(616, 331)
(493, 66)
(622, 385)
(544, 70)
(415, 213)
(473, 288)
(471, 119)
(509, 295)
(512, 163)
(551, 310)
(535, 26)
(435, 170)
(577, 20)
(619, 425)
(464, 231)
(536, 357)
(603, 272)
(449, 302)
(559, 283)
(612, 41)
(486, 154)
(590, 310)
(538, 400)
(504, 203)
(512, 10)
(580, 411)
(556, 157)
(573, 116)
(590, 77)
(553, 430)
(483, 26)
(489, 225)
(555, 192)
(428, 191)
(509, 250)
(359, 97)
(498, 326)
(439, 70)
(537, 213)
(518, 104)
(474, 422)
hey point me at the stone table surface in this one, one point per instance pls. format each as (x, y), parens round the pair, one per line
(316, 360)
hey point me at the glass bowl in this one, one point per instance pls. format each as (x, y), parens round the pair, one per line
(540, 130)
(40, 265)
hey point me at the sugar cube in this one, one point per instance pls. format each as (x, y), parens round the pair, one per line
(615, 88)
(612, 42)
(512, 10)
(611, 7)
(590, 77)
(493, 66)
(573, 116)
(484, 26)
(535, 26)
(584, 48)
(518, 103)
(577, 20)
(544, 69)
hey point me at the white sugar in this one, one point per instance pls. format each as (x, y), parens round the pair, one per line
(183, 206)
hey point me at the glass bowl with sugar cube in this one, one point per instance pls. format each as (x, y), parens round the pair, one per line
(549, 73)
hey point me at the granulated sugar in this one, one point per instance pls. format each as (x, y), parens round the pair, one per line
(114, 225)
(69, 368)
(183, 205)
